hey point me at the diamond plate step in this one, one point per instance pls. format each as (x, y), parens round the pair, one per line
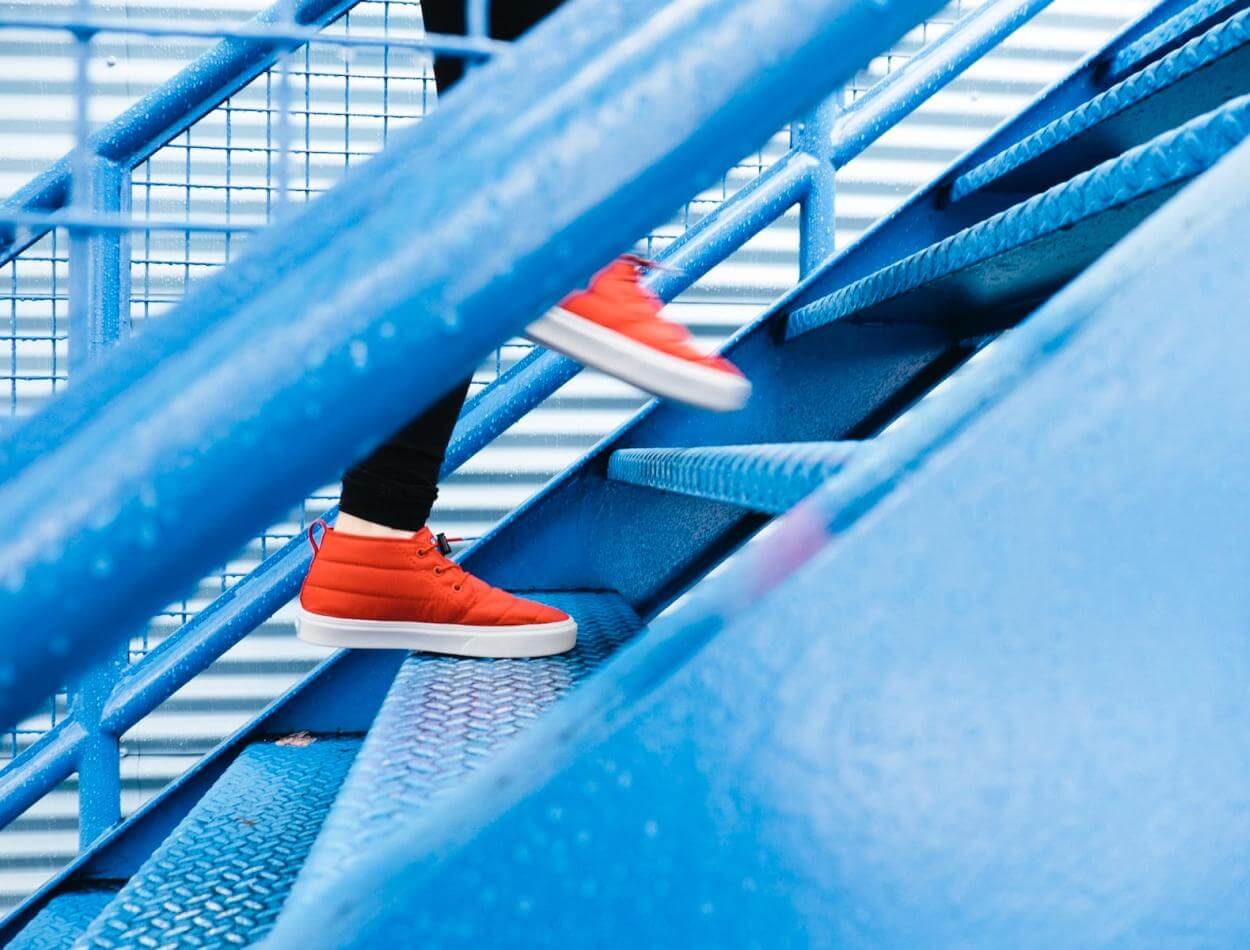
(223, 874)
(444, 717)
(1202, 75)
(63, 920)
(1185, 25)
(770, 478)
(982, 278)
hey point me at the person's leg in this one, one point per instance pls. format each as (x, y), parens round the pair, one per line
(391, 492)
(380, 579)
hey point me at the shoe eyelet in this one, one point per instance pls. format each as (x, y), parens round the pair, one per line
(457, 587)
(420, 552)
(438, 570)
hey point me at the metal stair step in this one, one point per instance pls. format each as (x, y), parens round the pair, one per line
(1201, 75)
(64, 918)
(769, 478)
(444, 717)
(982, 278)
(1185, 25)
(222, 875)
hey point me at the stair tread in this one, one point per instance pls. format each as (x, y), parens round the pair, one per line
(1032, 248)
(63, 919)
(768, 477)
(445, 716)
(1170, 31)
(222, 875)
(1146, 103)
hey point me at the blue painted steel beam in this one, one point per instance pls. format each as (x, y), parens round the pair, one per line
(936, 726)
(767, 478)
(969, 281)
(898, 94)
(370, 301)
(168, 110)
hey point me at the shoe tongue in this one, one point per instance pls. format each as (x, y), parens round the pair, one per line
(424, 536)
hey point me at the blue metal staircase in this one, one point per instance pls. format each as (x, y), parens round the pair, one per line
(852, 734)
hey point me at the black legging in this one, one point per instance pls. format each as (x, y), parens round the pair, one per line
(397, 484)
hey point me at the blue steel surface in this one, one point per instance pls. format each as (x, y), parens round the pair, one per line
(769, 478)
(1130, 112)
(572, 198)
(1006, 709)
(1157, 167)
(222, 875)
(63, 920)
(1198, 15)
(443, 718)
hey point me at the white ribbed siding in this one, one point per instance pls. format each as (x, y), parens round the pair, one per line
(36, 124)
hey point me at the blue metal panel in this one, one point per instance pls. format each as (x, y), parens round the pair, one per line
(63, 920)
(1199, 76)
(1007, 709)
(1038, 244)
(223, 874)
(769, 478)
(573, 198)
(443, 718)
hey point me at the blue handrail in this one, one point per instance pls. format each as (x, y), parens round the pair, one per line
(151, 680)
(230, 381)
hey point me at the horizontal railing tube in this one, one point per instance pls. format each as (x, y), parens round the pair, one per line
(440, 254)
(898, 94)
(168, 110)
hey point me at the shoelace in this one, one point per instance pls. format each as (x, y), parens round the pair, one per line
(442, 544)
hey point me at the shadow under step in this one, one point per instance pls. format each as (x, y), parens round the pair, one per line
(443, 718)
(1202, 75)
(979, 280)
(222, 875)
(770, 478)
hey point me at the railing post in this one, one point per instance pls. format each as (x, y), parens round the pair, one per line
(817, 215)
(99, 316)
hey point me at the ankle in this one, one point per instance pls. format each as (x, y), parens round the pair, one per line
(350, 524)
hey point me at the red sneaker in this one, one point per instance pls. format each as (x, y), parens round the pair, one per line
(406, 594)
(615, 326)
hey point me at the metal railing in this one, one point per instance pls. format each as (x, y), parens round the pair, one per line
(114, 696)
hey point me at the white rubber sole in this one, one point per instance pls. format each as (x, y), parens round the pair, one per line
(538, 639)
(650, 369)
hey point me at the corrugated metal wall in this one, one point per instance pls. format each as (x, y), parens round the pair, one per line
(342, 109)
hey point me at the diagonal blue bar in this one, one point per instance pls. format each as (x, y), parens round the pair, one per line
(465, 229)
